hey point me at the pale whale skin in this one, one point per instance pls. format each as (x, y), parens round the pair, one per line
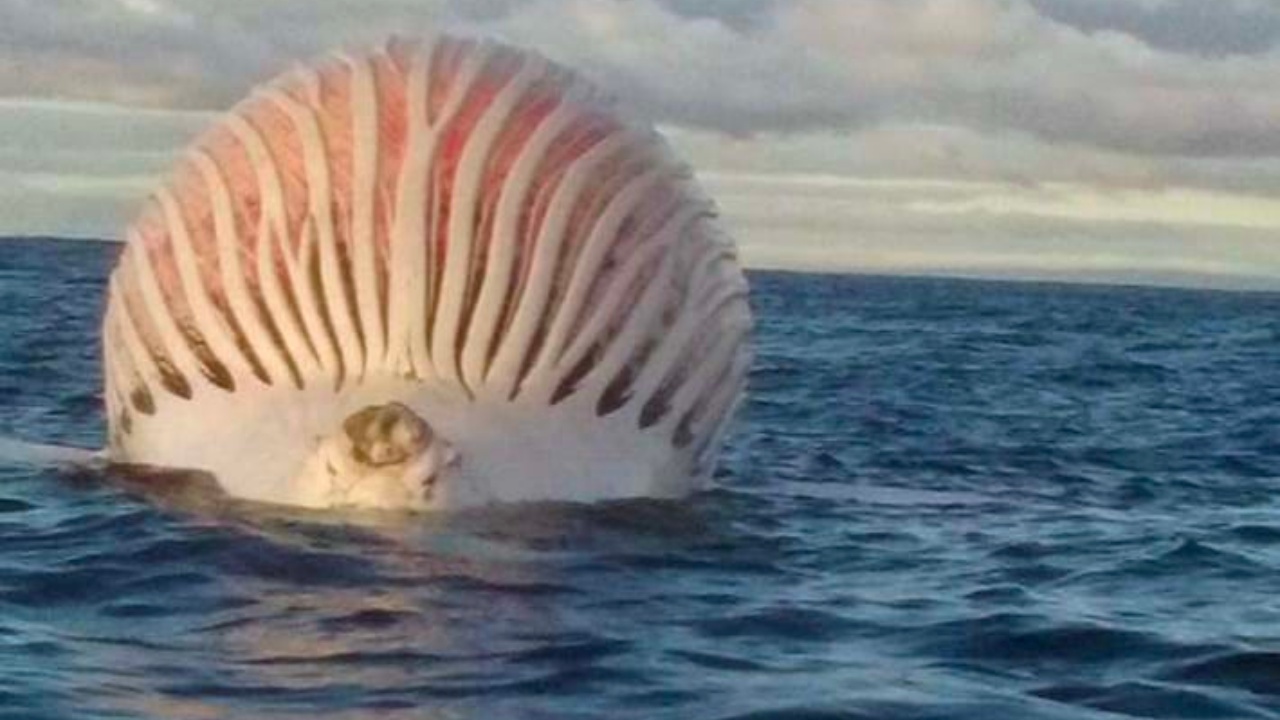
(527, 296)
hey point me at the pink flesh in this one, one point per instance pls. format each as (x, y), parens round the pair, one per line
(333, 111)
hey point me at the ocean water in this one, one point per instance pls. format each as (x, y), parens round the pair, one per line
(945, 499)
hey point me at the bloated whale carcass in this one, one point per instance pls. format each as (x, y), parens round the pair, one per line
(431, 275)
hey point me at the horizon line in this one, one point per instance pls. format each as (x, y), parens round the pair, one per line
(1169, 280)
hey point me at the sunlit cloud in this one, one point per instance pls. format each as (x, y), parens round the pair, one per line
(1172, 206)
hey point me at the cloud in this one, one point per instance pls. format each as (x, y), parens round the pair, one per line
(1084, 204)
(1042, 138)
(87, 128)
(741, 15)
(992, 65)
(881, 204)
(81, 169)
(952, 153)
(126, 52)
(989, 229)
(1217, 28)
(1157, 77)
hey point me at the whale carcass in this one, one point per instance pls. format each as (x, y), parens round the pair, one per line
(430, 275)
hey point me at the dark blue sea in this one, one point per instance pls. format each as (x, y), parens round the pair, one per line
(945, 499)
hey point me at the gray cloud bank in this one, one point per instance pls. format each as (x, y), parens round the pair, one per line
(1198, 78)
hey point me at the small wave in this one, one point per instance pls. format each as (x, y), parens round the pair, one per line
(721, 661)
(1148, 699)
(1186, 559)
(1254, 534)
(61, 587)
(780, 623)
(1257, 672)
(802, 712)
(1008, 639)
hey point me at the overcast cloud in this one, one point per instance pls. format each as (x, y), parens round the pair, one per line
(1155, 76)
(1019, 103)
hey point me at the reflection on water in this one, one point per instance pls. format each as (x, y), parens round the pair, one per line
(289, 610)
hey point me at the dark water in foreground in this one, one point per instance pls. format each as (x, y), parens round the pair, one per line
(946, 500)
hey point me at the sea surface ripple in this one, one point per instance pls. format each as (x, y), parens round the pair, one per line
(946, 499)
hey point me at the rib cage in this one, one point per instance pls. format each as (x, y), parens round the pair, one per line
(453, 212)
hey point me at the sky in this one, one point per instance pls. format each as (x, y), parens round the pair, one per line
(1100, 140)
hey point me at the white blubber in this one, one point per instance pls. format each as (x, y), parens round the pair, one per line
(431, 275)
